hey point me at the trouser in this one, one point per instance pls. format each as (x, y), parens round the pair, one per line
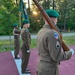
(16, 47)
(45, 68)
(25, 60)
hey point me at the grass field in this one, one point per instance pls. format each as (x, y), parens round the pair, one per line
(70, 40)
(7, 45)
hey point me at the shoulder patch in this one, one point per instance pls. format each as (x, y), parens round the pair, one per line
(56, 35)
(57, 45)
(27, 30)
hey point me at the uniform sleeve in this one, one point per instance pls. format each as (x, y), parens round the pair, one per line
(27, 39)
(30, 37)
(17, 31)
(54, 46)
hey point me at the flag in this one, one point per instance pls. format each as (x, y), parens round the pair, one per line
(22, 11)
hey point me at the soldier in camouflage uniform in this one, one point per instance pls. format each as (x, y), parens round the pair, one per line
(49, 48)
(16, 33)
(26, 40)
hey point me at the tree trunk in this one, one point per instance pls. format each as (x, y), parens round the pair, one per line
(53, 4)
(29, 6)
(65, 23)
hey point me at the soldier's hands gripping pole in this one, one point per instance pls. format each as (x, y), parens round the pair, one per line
(48, 19)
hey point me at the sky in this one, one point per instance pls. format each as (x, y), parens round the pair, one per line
(27, 2)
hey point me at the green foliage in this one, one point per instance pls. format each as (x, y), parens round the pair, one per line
(36, 21)
(9, 11)
(6, 45)
(33, 43)
(70, 40)
(67, 10)
(9, 14)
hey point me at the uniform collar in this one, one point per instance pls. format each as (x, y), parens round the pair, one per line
(46, 26)
(15, 28)
(24, 27)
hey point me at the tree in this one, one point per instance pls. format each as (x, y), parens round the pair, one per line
(45, 3)
(65, 8)
(7, 10)
(29, 5)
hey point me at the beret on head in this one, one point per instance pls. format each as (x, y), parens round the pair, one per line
(52, 13)
(26, 21)
(15, 25)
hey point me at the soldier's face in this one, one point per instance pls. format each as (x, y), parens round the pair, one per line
(54, 20)
(16, 27)
(27, 25)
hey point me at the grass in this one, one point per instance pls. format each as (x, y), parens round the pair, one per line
(33, 43)
(69, 40)
(7, 45)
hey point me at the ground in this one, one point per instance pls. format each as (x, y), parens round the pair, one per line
(8, 66)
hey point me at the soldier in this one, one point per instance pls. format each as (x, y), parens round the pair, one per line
(26, 38)
(16, 33)
(49, 48)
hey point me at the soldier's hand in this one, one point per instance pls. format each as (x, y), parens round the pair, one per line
(72, 51)
(28, 51)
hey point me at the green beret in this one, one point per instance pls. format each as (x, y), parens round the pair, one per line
(15, 25)
(52, 13)
(26, 21)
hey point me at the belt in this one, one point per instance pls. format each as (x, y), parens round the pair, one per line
(52, 63)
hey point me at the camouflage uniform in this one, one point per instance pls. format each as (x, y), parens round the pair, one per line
(49, 51)
(26, 38)
(16, 33)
